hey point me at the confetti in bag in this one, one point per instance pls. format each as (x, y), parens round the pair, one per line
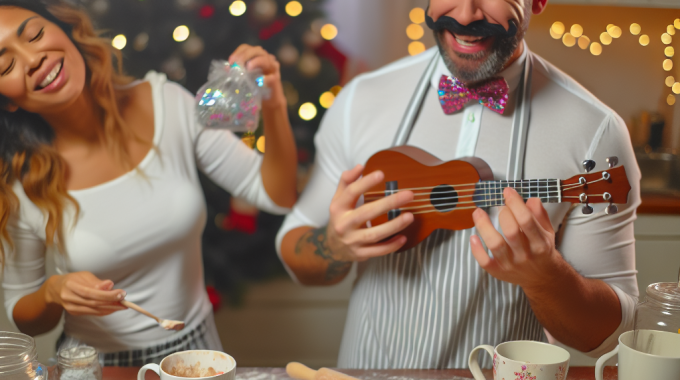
(232, 98)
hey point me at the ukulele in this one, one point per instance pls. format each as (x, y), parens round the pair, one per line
(447, 193)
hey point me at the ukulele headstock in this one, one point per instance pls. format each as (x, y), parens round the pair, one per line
(607, 186)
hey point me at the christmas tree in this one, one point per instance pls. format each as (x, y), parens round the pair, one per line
(181, 38)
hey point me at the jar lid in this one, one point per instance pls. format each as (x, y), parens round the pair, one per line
(666, 292)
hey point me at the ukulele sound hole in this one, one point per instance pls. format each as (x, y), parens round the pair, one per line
(444, 198)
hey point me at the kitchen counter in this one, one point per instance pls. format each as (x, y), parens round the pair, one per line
(575, 373)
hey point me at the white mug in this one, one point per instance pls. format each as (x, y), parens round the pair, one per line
(523, 359)
(219, 361)
(661, 363)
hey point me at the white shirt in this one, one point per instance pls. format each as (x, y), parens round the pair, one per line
(141, 230)
(428, 307)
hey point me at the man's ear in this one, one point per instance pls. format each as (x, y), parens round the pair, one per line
(538, 6)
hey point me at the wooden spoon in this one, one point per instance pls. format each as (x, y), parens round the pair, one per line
(165, 323)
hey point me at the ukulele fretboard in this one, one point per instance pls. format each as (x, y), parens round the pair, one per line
(490, 193)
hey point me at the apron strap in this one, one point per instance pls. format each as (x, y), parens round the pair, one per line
(520, 124)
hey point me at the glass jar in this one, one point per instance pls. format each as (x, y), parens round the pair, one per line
(19, 359)
(660, 311)
(78, 363)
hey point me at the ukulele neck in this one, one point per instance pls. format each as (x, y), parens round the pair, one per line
(490, 193)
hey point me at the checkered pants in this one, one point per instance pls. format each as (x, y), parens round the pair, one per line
(203, 337)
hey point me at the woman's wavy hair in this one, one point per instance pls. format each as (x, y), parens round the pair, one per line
(26, 152)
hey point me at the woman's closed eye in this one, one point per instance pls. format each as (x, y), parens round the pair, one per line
(39, 35)
(36, 38)
(6, 71)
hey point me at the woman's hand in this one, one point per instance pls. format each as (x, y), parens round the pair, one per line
(82, 293)
(255, 57)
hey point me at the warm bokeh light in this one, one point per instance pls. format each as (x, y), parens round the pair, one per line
(237, 8)
(676, 23)
(668, 65)
(326, 99)
(181, 33)
(260, 144)
(307, 111)
(669, 51)
(583, 42)
(635, 29)
(670, 81)
(595, 48)
(329, 31)
(416, 47)
(568, 40)
(335, 90)
(293, 8)
(605, 38)
(615, 31)
(676, 88)
(417, 15)
(119, 42)
(666, 38)
(555, 35)
(644, 40)
(670, 100)
(670, 30)
(576, 30)
(415, 31)
(558, 28)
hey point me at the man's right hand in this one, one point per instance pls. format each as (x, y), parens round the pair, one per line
(82, 293)
(348, 237)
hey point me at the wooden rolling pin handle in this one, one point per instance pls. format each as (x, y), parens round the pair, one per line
(300, 371)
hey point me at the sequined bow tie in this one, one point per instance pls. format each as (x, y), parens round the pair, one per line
(453, 94)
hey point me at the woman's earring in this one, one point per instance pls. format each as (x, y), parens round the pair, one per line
(11, 107)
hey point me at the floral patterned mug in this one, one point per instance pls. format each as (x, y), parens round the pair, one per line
(523, 360)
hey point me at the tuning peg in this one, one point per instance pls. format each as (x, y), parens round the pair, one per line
(588, 165)
(612, 161)
(611, 209)
(587, 209)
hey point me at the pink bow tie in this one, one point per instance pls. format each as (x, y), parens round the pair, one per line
(453, 94)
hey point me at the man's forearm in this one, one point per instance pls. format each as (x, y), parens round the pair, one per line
(577, 311)
(305, 251)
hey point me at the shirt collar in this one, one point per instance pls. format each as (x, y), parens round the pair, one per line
(512, 73)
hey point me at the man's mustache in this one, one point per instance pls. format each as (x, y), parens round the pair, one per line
(479, 28)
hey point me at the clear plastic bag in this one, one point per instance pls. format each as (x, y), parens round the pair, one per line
(232, 98)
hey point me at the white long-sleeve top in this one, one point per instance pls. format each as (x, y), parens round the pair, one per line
(429, 306)
(141, 230)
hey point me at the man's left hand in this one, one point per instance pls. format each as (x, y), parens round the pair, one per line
(527, 255)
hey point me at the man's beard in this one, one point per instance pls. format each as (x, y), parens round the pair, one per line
(491, 61)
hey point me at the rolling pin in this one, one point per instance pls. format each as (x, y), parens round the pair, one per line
(302, 372)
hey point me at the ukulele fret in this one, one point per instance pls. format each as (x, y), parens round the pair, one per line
(490, 193)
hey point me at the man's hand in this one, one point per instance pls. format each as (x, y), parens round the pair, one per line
(527, 255)
(347, 237)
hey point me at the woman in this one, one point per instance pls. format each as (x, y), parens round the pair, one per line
(101, 171)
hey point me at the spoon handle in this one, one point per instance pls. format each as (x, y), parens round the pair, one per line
(139, 309)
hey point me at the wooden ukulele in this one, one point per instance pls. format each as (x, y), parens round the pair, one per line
(447, 193)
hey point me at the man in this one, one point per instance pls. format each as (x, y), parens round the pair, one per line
(429, 306)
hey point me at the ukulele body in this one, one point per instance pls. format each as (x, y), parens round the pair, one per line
(443, 190)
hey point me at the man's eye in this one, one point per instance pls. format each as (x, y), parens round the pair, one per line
(40, 34)
(11, 65)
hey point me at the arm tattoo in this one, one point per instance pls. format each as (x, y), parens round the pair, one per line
(317, 238)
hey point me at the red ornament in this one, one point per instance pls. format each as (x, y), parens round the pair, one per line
(206, 11)
(274, 28)
(214, 297)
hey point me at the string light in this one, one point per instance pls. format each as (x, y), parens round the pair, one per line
(583, 42)
(260, 144)
(669, 51)
(676, 88)
(595, 48)
(568, 40)
(614, 31)
(417, 15)
(557, 30)
(329, 31)
(644, 40)
(119, 42)
(181, 33)
(576, 30)
(670, 30)
(335, 90)
(237, 8)
(326, 99)
(605, 38)
(635, 29)
(666, 38)
(668, 65)
(293, 8)
(670, 100)
(307, 111)
(676, 23)
(415, 31)
(416, 47)
(670, 81)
